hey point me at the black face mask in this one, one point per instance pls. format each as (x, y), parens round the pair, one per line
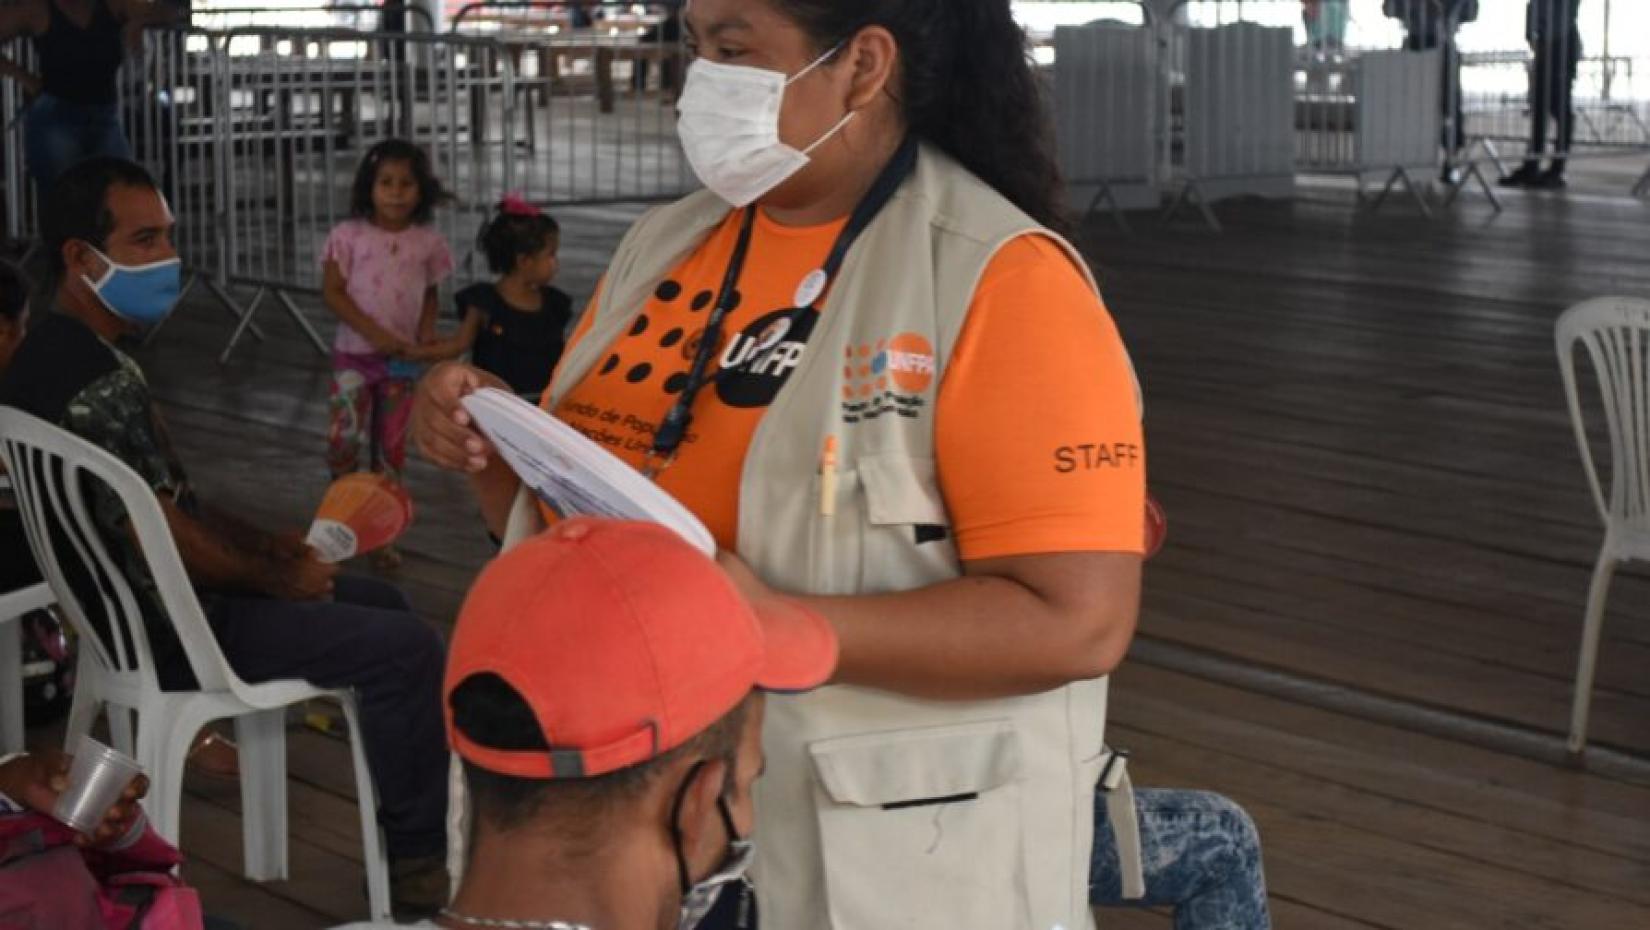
(699, 897)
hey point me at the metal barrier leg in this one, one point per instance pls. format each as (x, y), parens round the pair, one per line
(243, 318)
(1191, 193)
(246, 321)
(303, 323)
(1401, 174)
(1106, 195)
(1495, 156)
(1473, 172)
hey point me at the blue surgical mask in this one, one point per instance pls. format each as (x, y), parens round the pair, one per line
(141, 294)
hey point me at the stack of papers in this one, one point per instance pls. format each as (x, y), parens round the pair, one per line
(572, 475)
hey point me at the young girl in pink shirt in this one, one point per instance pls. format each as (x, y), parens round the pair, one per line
(382, 267)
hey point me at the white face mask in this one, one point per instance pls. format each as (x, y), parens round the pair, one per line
(729, 127)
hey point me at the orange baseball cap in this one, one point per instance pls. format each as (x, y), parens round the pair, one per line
(626, 642)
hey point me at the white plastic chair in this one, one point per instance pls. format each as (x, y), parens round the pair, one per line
(1616, 332)
(13, 605)
(50, 468)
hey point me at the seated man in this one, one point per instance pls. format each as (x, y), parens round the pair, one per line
(277, 612)
(604, 692)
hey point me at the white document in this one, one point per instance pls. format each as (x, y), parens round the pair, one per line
(572, 475)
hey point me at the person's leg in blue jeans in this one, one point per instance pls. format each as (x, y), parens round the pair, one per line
(103, 134)
(1202, 858)
(51, 139)
(369, 640)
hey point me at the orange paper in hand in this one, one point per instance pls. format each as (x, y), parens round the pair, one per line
(360, 513)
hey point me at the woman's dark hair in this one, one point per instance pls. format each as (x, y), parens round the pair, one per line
(14, 292)
(967, 88)
(512, 235)
(430, 192)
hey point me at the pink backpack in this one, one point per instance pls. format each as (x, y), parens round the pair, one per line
(48, 882)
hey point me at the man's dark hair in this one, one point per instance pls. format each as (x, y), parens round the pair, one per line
(490, 712)
(77, 206)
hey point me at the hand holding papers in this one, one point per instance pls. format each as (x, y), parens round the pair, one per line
(572, 475)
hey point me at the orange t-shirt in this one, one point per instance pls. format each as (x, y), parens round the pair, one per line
(1038, 434)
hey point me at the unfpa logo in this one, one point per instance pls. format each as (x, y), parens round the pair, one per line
(903, 364)
(887, 377)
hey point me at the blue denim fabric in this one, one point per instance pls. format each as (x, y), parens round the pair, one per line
(1201, 855)
(57, 133)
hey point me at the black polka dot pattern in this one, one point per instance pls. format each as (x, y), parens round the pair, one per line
(702, 300)
(672, 337)
(640, 326)
(611, 363)
(639, 374)
(676, 383)
(668, 291)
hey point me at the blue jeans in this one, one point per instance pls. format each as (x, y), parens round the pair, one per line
(57, 133)
(1201, 855)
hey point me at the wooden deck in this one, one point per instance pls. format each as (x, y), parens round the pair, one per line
(1364, 625)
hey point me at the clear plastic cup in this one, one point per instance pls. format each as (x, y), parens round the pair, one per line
(97, 778)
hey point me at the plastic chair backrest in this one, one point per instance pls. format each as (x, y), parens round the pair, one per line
(50, 470)
(1616, 332)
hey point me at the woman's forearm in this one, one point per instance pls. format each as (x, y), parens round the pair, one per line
(1038, 623)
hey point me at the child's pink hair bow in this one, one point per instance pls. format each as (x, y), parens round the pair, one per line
(514, 204)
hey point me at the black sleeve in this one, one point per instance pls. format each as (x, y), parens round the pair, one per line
(559, 305)
(478, 296)
(56, 361)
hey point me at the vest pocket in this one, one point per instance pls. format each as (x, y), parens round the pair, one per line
(907, 541)
(923, 828)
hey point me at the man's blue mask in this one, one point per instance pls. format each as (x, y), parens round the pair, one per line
(141, 294)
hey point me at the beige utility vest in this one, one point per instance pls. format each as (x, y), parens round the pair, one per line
(878, 810)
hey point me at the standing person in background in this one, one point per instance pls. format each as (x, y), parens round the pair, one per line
(1430, 24)
(1555, 37)
(515, 327)
(80, 45)
(381, 269)
(1325, 22)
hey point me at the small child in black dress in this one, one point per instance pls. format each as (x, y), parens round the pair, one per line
(515, 327)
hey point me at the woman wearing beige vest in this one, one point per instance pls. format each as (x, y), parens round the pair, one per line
(867, 360)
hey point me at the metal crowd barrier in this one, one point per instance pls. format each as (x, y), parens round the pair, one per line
(255, 135)
(1107, 102)
(1215, 98)
(371, 17)
(604, 91)
(1263, 91)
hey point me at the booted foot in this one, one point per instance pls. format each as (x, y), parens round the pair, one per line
(418, 887)
(1526, 176)
(1550, 180)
